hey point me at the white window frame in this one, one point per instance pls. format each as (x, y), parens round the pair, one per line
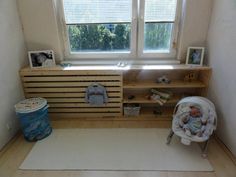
(174, 36)
(136, 41)
(103, 55)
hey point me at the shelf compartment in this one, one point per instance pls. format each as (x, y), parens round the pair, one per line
(147, 114)
(141, 99)
(173, 84)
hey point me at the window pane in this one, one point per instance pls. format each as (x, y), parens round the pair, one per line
(99, 37)
(159, 23)
(160, 10)
(97, 11)
(158, 36)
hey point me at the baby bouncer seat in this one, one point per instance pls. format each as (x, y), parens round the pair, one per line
(184, 112)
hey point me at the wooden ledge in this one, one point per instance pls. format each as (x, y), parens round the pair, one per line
(116, 68)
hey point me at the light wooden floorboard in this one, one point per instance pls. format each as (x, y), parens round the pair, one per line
(11, 159)
(110, 174)
(226, 149)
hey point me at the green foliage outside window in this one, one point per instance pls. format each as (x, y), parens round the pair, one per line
(99, 37)
(157, 36)
(113, 37)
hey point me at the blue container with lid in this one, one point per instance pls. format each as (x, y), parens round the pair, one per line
(33, 115)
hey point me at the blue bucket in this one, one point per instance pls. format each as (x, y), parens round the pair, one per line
(33, 116)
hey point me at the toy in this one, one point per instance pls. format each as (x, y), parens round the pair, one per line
(191, 77)
(163, 80)
(64, 65)
(193, 123)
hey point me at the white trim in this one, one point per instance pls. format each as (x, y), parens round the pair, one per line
(141, 27)
(108, 61)
(136, 42)
(134, 28)
(182, 23)
(174, 36)
(177, 22)
(62, 28)
(91, 55)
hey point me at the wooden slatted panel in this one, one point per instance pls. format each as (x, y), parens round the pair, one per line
(66, 95)
(65, 91)
(81, 105)
(67, 84)
(77, 100)
(58, 71)
(70, 84)
(84, 115)
(85, 110)
(72, 78)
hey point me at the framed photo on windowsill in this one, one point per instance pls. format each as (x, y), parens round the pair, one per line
(41, 59)
(195, 56)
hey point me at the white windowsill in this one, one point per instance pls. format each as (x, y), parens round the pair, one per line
(130, 67)
(109, 62)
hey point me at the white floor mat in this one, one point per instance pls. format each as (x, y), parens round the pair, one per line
(114, 150)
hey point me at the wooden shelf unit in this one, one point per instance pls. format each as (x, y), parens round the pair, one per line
(64, 89)
(138, 83)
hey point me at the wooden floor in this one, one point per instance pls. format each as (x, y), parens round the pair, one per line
(13, 155)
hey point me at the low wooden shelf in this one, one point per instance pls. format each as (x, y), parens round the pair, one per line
(64, 89)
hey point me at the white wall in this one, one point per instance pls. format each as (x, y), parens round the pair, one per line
(12, 57)
(40, 25)
(222, 58)
(41, 31)
(195, 23)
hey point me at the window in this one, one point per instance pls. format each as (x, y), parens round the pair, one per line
(119, 28)
(158, 25)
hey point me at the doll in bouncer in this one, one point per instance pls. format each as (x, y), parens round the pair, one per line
(194, 123)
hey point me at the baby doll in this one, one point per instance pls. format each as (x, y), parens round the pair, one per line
(194, 123)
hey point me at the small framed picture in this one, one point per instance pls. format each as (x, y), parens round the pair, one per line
(41, 59)
(195, 56)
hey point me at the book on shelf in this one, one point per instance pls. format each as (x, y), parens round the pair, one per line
(163, 94)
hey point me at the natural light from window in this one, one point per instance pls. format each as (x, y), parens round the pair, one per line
(98, 25)
(159, 19)
(120, 28)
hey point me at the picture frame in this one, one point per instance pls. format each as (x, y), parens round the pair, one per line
(41, 59)
(195, 56)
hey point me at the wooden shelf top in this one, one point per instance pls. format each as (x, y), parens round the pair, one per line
(116, 68)
(173, 84)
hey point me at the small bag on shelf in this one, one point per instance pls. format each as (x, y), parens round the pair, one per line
(132, 110)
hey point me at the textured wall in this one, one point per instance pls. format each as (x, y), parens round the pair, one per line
(222, 58)
(195, 23)
(41, 31)
(40, 25)
(12, 57)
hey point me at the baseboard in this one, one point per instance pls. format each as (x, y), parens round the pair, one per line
(226, 149)
(9, 144)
